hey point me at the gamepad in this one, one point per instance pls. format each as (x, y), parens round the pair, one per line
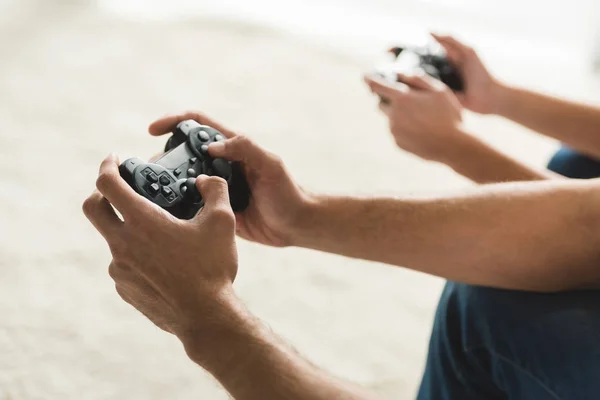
(430, 59)
(170, 181)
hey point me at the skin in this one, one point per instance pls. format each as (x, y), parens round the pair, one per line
(496, 235)
(426, 118)
(188, 291)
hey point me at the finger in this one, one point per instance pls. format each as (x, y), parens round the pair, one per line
(240, 227)
(100, 213)
(385, 108)
(420, 82)
(389, 90)
(454, 54)
(117, 191)
(455, 57)
(451, 42)
(243, 149)
(168, 123)
(214, 191)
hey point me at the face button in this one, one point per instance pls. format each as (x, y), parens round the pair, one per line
(203, 136)
(204, 149)
(153, 189)
(191, 173)
(164, 180)
(219, 138)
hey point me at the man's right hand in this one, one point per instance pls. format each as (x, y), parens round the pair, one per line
(277, 203)
(481, 88)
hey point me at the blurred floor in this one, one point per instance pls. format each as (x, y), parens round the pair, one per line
(76, 84)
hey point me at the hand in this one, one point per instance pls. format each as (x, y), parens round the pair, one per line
(277, 203)
(481, 88)
(177, 273)
(424, 115)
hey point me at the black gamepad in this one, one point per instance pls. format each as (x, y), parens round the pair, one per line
(429, 59)
(170, 181)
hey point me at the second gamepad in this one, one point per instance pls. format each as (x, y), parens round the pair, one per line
(170, 181)
(429, 59)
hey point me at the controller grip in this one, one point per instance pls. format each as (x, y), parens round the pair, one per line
(127, 169)
(239, 191)
(452, 79)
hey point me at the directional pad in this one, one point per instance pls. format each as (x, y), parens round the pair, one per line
(150, 176)
(153, 189)
(166, 191)
(169, 181)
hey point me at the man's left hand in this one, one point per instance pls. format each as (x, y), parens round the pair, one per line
(177, 273)
(425, 117)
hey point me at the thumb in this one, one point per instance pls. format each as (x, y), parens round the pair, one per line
(242, 149)
(214, 191)
(420, 81)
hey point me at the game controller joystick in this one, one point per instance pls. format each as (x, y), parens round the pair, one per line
(170, 181)
(430, 59)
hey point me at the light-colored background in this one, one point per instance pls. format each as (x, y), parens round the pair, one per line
(78, 81)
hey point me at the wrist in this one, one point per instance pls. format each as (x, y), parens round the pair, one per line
(500, 97)
(202, 336)
(461, 147)
(307, 221)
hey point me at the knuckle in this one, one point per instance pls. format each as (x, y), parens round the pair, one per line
(223, 215)
(105, 180)
(242, 141)
(276, 160)
(216, 181)
(122, 292)
(90, 205)
(113, 271)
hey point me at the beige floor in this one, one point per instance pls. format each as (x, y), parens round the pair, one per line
(74, 87)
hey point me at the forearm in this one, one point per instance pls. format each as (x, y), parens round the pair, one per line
(481, 163)
(577, 125)
(251, 362)
(535, 236)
